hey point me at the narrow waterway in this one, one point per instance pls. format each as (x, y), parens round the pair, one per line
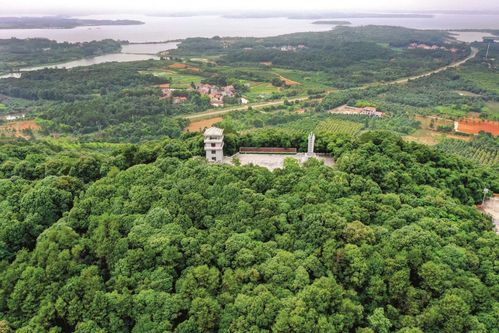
(130, 52)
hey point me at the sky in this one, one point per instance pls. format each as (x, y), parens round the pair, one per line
(48, 7)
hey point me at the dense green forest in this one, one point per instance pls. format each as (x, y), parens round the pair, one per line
(142, 238)
(18, 53)
(350, 56)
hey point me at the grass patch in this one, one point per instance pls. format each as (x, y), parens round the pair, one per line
(491, 111)
(451, 111)
(260, 90)
(481, 77)
(178, 79)
(307, 80)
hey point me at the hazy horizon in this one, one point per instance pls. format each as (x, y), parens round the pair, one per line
(151, 7)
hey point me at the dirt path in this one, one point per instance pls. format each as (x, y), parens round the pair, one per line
(218, 112)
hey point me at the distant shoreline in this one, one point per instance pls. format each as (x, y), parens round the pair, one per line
(332, 22)
(55, 22)
(326, 16)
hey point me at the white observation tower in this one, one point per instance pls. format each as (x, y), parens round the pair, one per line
(214, 144)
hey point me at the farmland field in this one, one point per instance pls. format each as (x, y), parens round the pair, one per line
(339, 126)
(481, 154)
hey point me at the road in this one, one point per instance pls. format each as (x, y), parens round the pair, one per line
(217, 112)
(473, 53)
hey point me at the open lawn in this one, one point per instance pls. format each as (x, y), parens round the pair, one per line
(491, 110)
(450, 111)
(307, 80)
(179, 80)
(429, 137)
(432, 122)
(260, 90)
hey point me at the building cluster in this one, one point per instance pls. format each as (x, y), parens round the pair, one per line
(362, 111)
(215, 93)
(291, 48)
(423, 46)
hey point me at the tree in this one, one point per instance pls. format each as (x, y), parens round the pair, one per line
(379, 322)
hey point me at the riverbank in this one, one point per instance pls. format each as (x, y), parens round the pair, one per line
(129, 52)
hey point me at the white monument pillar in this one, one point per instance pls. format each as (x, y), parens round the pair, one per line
(311, 144)
(214, 144)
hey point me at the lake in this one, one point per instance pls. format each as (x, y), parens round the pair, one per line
(158, 29)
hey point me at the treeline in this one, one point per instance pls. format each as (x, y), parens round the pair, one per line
(124, 109)
(80, 82)
(388, 241)
(19, 53)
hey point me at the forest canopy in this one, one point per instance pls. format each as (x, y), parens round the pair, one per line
(144, 238)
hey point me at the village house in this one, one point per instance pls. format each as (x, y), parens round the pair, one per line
(179, 99)
(362, 111)
(371, 111)
(165, 90)
(216, 93)
(423, 46)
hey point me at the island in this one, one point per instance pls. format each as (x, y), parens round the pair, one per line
(57, 22)
(332, 22)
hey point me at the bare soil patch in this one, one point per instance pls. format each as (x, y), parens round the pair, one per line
(16, 128)
(199, 125)
(474, 126)
(179, 65)
(288, 82)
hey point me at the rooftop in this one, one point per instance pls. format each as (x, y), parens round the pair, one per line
(215, 131)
